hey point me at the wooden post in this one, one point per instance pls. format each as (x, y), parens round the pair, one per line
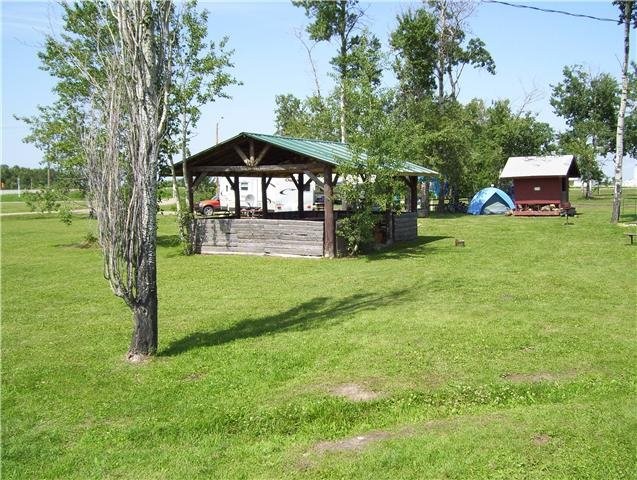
(264, 196)
(190, 193)
(300, 185)
(425, 197)
(237, 197)
(329, 226)
(413, 194)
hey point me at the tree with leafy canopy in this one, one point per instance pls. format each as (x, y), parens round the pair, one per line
(370, 185)
(113, 64)
(496, 133)
(336, 19)
(432, 51)
(319, 116)
(312, 117)
(199, 76)
(368, 181)
(589, 105)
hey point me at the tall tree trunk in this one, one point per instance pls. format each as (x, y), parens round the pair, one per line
(145, 328)
(619, 149)
(343, 68)
(184, 156)
(175, 185)
(442, 58)
(127, 127)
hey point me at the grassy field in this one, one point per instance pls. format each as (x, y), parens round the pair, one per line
(511, 358)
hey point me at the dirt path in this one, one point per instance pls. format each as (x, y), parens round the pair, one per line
(12, 214)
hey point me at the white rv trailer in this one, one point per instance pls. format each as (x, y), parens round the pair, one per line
(282, 194)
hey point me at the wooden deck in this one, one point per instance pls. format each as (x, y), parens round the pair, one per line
(406, 227)
(536, 213)
(280, 236)
(259, 236)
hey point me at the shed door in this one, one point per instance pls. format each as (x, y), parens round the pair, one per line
(564, 197)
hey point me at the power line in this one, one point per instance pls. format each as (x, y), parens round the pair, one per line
(548, 10)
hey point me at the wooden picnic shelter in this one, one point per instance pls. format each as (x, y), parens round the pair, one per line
(308, 233)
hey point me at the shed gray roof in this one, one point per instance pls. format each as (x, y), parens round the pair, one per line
(548, 166)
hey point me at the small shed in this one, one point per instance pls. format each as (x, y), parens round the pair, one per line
(305, 233)
(540, 184)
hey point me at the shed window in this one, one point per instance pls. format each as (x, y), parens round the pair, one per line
(537, 189)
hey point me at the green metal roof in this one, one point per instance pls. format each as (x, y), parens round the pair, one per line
(333, 153)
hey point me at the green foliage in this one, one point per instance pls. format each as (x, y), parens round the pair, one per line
(627, 11)
(313, 117)
(432, 50)
(206, 190)
(589, 104)
(43, 201)
(497, 133)
(337, 19)
(468, 144)
(413, 40)
(185, 229)
(201, 74)
(330, 18)
(49, 200)
(370, 184)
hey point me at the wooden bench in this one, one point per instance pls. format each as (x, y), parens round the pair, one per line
(631, 236)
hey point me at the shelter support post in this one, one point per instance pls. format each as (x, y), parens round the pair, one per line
(234, 183)
(424, 201)
(189, 191)
(329, 228)
(411, 197)
(237, 197)
(413, 194)
(264, 194)
(300, 188)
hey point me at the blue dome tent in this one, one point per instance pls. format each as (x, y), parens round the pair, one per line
(490, 201)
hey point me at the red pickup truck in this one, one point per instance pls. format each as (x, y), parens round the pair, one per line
(208, 207)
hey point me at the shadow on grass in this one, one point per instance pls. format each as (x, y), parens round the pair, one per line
(405, 249)
(446, 216)
(315, 313)
(167, 240)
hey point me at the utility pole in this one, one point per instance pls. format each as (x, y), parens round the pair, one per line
(217, 131)
(217, 143)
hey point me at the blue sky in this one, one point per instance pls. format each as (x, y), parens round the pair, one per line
(530, 50)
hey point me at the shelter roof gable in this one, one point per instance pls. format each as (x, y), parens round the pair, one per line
(289, 150)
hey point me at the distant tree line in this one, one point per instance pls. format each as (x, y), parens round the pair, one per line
(29, 178)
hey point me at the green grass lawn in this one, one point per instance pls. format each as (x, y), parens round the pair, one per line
(511, 358)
